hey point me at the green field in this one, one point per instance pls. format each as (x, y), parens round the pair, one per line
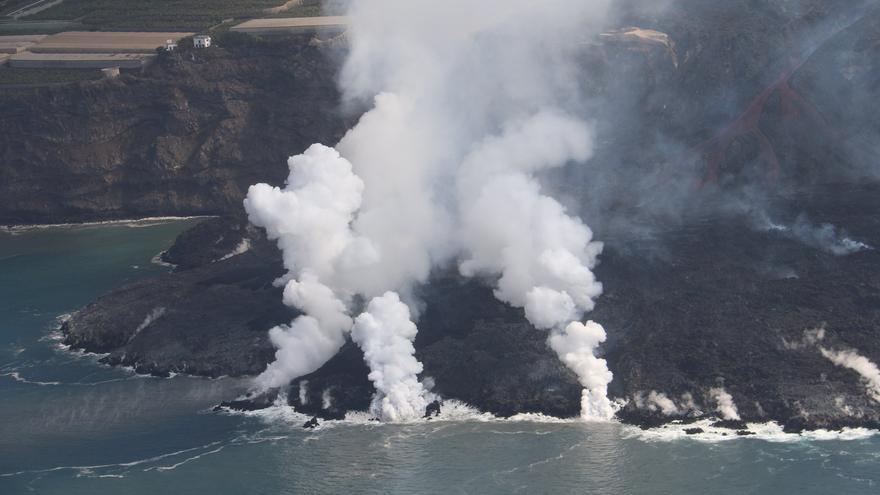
(11, 76)
(37, 27)
(154, 15)
(7, 6)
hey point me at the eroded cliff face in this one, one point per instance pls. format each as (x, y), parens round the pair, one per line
(186, 137)
(667, 83)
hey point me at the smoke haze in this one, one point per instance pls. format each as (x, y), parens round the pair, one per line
(385, 333)
(468, 109)
(497, 133)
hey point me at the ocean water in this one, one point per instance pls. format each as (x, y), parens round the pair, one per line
(70, 425)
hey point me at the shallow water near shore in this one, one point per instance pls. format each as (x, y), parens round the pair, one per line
(70, 425)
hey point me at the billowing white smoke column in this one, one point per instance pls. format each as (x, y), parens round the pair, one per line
(851, 359)
(543, 256)
(468, 112)
(725, 405)
(386, 334)
(309, 218)
(575, 347)
(658, 401)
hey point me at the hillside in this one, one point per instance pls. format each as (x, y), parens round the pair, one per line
(185, 137)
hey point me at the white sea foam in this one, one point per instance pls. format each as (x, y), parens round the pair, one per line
(181, 463)
(15, 375)
(131, 222)
(451, 411)
(157, 260)
(89, 470)
(770, 432)
(56, 337)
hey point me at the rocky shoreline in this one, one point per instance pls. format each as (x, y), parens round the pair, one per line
(721, 305)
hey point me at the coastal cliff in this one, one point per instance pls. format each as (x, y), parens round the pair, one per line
(734, 183)
(723, 305)
(185, 137)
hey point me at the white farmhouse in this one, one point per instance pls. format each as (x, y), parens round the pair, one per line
(201, 41)
(170, 45)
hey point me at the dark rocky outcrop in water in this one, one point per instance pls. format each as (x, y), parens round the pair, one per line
(209, 241)
(256, 403)
(433, 409)
(200, 321)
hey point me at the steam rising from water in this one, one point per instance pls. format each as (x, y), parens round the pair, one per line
(309, 218)
(472, 101)
(725, 405)
(385, 333)
(575, 347)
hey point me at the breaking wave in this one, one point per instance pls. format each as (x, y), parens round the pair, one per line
(769, 432)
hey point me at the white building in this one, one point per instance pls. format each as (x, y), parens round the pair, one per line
(202, 41)
(170, 45)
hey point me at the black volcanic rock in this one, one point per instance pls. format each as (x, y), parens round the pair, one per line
(339, 386)
(210, 240)
(209, 321)
(483, 352)
(254, 403)
(730, 424)
(726, 303)
(432, 409)
(698, 309)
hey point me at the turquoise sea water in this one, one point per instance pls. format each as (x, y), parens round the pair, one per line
(69, 425)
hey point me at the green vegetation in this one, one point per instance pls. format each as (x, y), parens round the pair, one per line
(37, 27)
(7, 6)
(155, 15)
(12, 76)
(314, 8)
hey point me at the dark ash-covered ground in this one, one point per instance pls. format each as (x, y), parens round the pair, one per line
(717, 304)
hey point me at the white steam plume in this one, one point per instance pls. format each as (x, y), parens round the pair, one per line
(509, 228)
(310, 219)
(151, 317)
(575, 346)
(542, 256)
(658, 401)
(851, 359)
(724, 404)
(825, 237)
(811, 337)
(312, 339)
(468, 112)
(386, 334)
